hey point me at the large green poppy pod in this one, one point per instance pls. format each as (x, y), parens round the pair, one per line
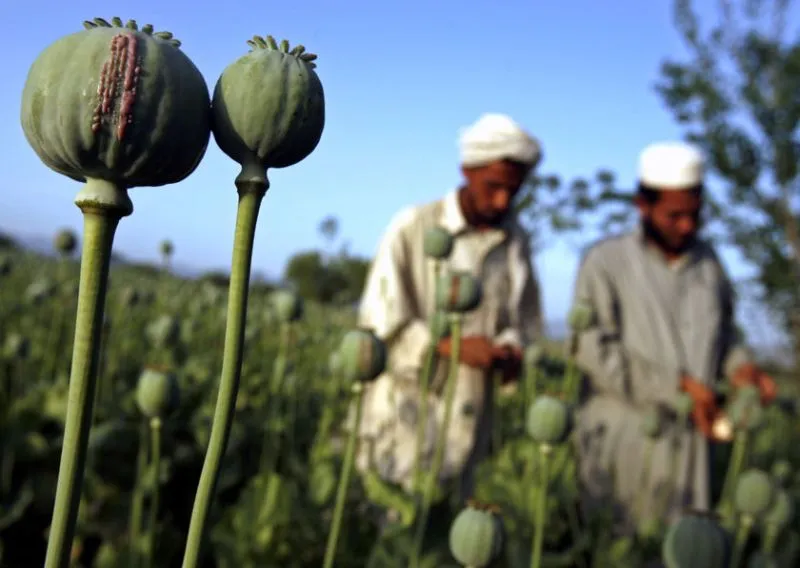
(287, 306)
(268, 108)
(476, 536)
(362, 356)
(549, 420)
(437, 243)
(695, 542)
(458, 292)
(119, 104)
(157, 392)
(754, 493)
(65, 242)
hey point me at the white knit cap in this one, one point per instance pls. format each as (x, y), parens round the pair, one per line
(671, 166)
(496, 137)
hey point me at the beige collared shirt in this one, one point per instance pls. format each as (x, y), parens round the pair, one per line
(398, 296)
(398, 302)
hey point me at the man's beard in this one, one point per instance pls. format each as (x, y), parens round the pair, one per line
(652, 233)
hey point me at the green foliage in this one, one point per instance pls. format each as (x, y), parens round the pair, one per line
(276, 489)
(339, 280)
(7, 242)
(737, 94)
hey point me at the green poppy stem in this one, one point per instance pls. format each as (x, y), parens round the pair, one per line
(137, 501)
(742, 535)
(540, 507)
(344, 480)
(441, 442)
(155, 463)
(251, 193)
(103, 204)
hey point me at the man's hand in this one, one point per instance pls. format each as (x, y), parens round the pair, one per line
(480, 353)
(704, 411)
(508, 360)
(476, 351)
(749, 374)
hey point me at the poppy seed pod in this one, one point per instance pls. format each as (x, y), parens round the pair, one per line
(695, 542)
(166, 248)
(362, 356)
(754, 494)
(782, 472)
(129, 297)
(40, 290)
(65, 242)
(437, 243)
(287, 305)
(458, 292)
(440, 326)
(109, 103)
(746, 412)
(549, 420)
(268, 108)
(164, 331)
(781, 512)
(653, 422)
(581, 317)
(683, 405)
(157, 392)
(476, 537)
(16, 347)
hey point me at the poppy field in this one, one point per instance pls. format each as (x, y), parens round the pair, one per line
(279, 485)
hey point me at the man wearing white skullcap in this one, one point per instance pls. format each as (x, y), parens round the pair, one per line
(497, 156)
(663, 332)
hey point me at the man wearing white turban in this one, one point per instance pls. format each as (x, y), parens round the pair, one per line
(663, 324)
(496, 158)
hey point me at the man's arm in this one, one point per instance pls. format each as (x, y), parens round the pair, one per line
(600, 352)
(524, 303)
(388, 306)
(524, 308)
(735, 352)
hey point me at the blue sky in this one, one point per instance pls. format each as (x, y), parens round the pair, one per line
(401, 78)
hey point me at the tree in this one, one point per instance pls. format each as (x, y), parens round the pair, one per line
(545, 206)
(738, 96)
(306, 272)
(339, 280)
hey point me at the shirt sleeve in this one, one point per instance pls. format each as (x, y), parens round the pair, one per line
(524, 302)
(388, 304)
(735, 352)
(600, 352)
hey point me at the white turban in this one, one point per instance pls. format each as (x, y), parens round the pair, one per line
(671, 166)
(496, 137)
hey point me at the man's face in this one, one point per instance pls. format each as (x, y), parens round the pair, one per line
(673, 221)
(491, 189)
